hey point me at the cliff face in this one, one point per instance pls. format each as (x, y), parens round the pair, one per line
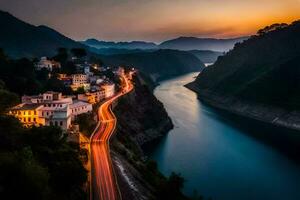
(258, 78)
(141, 119)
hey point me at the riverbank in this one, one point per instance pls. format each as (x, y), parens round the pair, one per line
(217, 153)
(142, 119)
(268, 114)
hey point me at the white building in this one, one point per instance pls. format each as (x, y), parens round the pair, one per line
(80, 80)
(92, 97)
(109, 89)
(49, 109)
(47, 64)
(80, 107)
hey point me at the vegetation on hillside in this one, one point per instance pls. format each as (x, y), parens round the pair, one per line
(38, 163)
(265, 68)
(158, 64)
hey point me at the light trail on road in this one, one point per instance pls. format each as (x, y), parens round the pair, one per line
(104, 184)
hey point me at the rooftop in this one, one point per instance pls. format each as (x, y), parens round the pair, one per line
(26, 107)
(77, 103)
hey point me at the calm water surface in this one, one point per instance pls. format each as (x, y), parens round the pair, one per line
(217, 158)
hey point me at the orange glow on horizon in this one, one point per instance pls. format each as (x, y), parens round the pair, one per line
(155, 20)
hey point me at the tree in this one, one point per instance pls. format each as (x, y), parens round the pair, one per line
(271, 28)
(86, 124)
(61, 56)
(7, 100)
(171, 189)
(78, 52)
(80, 90)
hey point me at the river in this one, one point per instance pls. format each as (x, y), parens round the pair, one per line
(215, 154)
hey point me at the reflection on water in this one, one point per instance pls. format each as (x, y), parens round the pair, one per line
(217, 153)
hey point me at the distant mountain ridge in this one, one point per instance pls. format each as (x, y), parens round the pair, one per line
(194, 43)
(206, 56)
(20, 39)
(181, 43)
(120, 45)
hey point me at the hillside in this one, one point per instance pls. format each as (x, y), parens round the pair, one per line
(119, 45)
(259, 76)
(114, 51)
(159, 64)
(193, 43)
(206, 56)
(20, 39)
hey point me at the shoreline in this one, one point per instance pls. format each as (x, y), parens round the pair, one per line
(274, 116)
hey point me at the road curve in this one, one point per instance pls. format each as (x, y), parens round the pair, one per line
(104, 184)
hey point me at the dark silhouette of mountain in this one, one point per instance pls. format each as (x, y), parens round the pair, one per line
(206, 56)
(194, 43)
(114, 51)
(263, 69)
(119, 45)
(159, 64)
(181, 43)
(20, 39)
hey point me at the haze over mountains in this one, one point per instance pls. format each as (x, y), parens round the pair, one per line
(181, 43)
(20, 39)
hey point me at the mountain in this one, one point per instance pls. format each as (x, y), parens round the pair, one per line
(194, 43)
(181, 43)
(20, 39)
(259, 78)
(206, 56)
(114, 51)
(159, 64)
(119, 45)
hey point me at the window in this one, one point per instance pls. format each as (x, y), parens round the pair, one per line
(19, 113)
(56, 123)
(34, 119)
(24, 119)
(24, 113)
(61, 123)
(51, 123)
(34, 112)
(29, 119)
(29, 112)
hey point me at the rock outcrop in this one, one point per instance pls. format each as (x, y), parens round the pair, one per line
(141, 120)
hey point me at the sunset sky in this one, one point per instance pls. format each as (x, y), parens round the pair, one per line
(153, 20)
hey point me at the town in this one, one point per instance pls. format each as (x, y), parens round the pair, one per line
(88, 86)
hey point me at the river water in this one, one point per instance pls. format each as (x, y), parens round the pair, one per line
(215, 153)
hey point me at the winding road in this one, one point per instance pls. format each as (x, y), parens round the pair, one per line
(104, 184)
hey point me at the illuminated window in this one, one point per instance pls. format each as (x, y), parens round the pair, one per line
(34, 112)
(29, 112)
